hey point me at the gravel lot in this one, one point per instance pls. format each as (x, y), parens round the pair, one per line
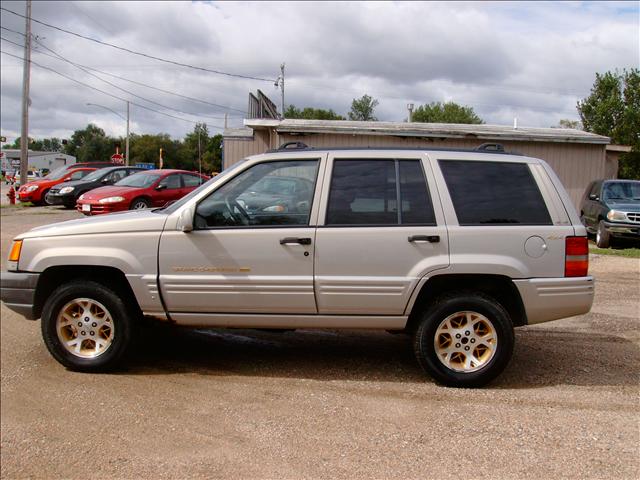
(246, 404)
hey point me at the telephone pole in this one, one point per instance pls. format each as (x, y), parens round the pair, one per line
(280, 82)
(126, 148)
(26, 74)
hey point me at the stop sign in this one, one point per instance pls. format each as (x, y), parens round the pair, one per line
(117, 158)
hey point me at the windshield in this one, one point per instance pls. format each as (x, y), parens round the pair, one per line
(174, 206)
(57, 173)
(95, 175)
(622, 191)
(138, 180)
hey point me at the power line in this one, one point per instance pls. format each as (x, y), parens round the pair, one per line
(110, 94)
(146, 55)
(124, 78)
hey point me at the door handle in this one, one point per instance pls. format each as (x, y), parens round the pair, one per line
(424, 238)
(301, 241)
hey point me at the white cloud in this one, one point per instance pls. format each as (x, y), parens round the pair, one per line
(530, 60)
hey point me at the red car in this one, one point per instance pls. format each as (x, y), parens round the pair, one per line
(36, 191)
(153, 188)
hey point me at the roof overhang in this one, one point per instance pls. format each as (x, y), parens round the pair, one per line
(427, 130)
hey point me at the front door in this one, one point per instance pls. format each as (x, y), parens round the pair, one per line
(381, 231)
(252, 246)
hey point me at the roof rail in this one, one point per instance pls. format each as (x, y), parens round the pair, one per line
(293, 146)
(491, 147)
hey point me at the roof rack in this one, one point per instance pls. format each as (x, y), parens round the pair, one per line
(491, 147)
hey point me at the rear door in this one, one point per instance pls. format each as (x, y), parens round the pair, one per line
(380, 231)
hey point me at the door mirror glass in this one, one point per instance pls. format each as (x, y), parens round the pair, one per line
(593, 196)
(185, 221)
(162, 186)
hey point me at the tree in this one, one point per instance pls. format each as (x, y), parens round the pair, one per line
(613, 109)
(448, 112)
(309, 113)
(90, 145)
(566, 123)
(362, 109)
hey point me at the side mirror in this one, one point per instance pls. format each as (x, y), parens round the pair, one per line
(161, 187)
(66, 179)
(106, 180)
(185, 222)
(593, 196)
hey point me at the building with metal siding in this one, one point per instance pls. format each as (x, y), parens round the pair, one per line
(577, 157)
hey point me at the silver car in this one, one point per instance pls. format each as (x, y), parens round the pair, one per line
(455, 248)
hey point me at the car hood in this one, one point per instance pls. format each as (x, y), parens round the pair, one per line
(128, 221)
(624, 205)
(110, 191)
(40, 183)
(71, 183)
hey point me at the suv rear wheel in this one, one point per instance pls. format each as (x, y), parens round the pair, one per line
(464, 339)
(86, 326)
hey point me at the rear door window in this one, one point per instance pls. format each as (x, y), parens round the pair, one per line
(494, 193)
(368, 192)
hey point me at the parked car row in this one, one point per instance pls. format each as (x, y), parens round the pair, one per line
(102, 187)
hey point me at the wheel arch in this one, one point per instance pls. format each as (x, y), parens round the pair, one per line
(110, 277)
(497, 286)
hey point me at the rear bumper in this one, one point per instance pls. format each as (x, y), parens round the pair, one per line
(18, 291)
(547, 299)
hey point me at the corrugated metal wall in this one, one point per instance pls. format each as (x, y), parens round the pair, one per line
(576, 164)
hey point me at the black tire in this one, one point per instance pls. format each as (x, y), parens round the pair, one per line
(447, 306)
(603, 238)
(122, 319)
(138, 203)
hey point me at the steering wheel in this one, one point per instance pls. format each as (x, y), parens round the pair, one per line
(244, 216)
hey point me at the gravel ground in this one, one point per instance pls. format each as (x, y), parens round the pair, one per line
(354, 404)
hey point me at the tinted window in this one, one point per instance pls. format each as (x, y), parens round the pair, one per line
(494, 193)
(191, 180)
(267, 194)
(80, 174)
(171, 182)
(366, 192)
(139, 180)
(416, 203)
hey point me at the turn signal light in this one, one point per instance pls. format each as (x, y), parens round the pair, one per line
(14, 254)
(576, 257)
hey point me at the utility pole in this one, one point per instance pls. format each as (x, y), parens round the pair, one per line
(280, 82)
(410, 108)
(126, 148)
(26, 74)
(199, 152)
(226, 115)
(282, 88)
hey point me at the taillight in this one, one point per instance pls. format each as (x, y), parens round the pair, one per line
(576, 257)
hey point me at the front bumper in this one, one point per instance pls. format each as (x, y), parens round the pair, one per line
(621, 229)
(18, 291)
(547, 299)
(53, 199)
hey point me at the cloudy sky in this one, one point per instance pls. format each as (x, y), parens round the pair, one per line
(532, 61)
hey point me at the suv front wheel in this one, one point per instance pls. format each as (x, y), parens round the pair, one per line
(86, 326)
(464, 339)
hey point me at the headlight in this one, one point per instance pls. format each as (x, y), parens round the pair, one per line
(615, 215)
(111, 200)
(32, 188)
(64, 190)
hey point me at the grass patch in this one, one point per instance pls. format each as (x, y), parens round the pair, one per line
(17, 205)
(620, 252)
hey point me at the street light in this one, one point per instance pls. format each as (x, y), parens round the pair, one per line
(126, 154)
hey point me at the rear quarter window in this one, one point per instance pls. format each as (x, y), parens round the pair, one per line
(494, 193)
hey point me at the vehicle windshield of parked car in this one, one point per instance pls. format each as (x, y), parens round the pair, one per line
(57, 173)
(629, 191)
(95, 175)
(138, 180)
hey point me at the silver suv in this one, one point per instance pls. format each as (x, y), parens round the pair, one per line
(455, 248)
